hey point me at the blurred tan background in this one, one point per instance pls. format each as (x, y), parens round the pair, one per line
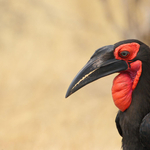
(43, 44)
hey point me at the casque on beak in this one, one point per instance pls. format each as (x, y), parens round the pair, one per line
(102, 63)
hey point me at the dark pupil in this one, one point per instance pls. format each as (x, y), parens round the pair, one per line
(124, 53)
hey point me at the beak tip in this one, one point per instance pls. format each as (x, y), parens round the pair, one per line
(68, 94)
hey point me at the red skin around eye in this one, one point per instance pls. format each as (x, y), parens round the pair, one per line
(132, 48)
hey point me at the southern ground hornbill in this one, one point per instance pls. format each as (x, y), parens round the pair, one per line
(130, 90)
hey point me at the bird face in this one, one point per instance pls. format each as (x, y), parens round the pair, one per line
(124, 57)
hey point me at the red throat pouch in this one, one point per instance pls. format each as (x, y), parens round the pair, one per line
(124, 84)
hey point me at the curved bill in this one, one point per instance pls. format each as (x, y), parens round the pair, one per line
(101, 64)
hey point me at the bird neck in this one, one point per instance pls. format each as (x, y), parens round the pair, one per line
(143, 87)
(130, 120)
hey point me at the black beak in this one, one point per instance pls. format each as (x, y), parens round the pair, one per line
(101, 64)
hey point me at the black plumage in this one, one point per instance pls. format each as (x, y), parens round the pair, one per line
(133, 123)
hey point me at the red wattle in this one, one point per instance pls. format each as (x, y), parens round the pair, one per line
(122, 91)
(124, 84)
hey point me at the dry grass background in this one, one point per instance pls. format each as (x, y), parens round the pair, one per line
(43, 44)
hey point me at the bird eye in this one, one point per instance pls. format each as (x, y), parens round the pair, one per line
(124, 54)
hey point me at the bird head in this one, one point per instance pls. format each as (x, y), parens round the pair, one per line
(126, 58)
